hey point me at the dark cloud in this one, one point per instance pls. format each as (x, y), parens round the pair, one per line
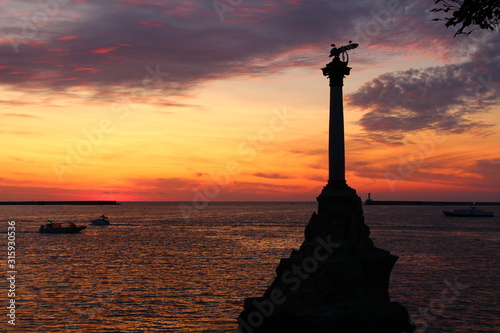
(135, 49)
(322, 179)
(266, 186)
(318, 166)
(310, 152)
(270, 175)
(446, 169)
(448, 98)
(108, 45)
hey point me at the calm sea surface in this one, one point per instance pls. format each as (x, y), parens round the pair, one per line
(154, 271)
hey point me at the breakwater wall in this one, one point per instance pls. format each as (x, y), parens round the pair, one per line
(83, 203)
(432, 203)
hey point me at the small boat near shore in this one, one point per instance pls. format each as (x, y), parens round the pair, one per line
(60, 228)
(102, 220)
(471, 212)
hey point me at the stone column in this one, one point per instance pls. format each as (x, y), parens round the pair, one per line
(336, 71)
(337, 200)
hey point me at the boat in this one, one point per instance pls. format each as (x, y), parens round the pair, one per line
(472, 211)
(60, 228)
(102, 220)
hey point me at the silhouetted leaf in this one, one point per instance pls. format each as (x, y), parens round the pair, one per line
(474, 14)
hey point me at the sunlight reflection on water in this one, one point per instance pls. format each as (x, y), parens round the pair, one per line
(151, 270)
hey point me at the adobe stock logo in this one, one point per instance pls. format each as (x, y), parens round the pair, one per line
(408, 165)
(247, 151)
(292, 278)
(83, 148)
(29, 29)
(93, 138)
(222, 7)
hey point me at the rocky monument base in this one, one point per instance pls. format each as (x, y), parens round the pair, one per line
(336, 282)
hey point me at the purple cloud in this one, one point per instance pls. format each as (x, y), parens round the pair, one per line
(447, 98)
(109, 45)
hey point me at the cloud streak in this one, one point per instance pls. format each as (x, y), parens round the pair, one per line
(270, 175)
(19, 115)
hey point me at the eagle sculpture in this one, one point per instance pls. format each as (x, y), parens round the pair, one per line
(337, 51)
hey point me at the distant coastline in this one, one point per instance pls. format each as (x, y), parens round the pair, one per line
(431, 203)
(40, 203)
(368, 202)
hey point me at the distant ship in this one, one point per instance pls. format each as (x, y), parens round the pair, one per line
(370, 201)
(473, 211)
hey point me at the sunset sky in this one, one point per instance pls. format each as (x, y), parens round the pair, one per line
(160, 100)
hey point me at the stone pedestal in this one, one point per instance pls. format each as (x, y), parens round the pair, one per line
(338, 280)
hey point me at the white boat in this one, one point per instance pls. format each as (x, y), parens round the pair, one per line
(102, 220)
(472, 211)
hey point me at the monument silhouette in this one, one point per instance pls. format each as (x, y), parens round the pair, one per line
(338, 280)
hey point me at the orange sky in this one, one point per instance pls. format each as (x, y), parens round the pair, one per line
(258, 134)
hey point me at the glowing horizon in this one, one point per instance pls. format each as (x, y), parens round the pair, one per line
(181, 102)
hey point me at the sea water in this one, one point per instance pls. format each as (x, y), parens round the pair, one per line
(154, 270)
